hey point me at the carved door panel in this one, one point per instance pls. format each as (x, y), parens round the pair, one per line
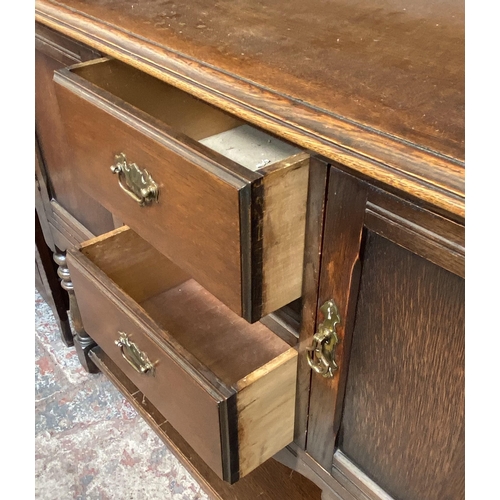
(388, 419)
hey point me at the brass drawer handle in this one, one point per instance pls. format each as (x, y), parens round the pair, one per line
(137, 183)
(137, 359)
(321, 354)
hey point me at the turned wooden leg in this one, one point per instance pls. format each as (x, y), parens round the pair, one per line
(82, 341)
(49, 287)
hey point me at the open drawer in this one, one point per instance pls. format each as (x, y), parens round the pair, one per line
(227, 386)
(223, 200)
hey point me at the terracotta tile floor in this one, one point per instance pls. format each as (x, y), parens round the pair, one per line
(89, 442)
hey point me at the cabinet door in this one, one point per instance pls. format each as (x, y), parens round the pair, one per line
(389, 421)
(66, 199)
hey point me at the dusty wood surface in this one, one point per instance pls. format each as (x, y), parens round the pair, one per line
(378, 86)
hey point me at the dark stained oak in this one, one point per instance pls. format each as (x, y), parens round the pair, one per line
(239, 232)
(192, 204)
(226, 385)
(376, 86)
(60, 47)
(48, 285)
(339, 275)
(363, 60)
(318, 182)
(211, 349)
(376, 89)
(394, 409)
(430, 235)
(54, 51)
(270, 481)
(81, 340)
(42, 198)
(404, 408)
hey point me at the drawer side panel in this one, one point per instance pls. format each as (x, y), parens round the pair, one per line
(266, 410)
(283, 233)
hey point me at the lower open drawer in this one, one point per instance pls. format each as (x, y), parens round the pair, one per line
(227, 386)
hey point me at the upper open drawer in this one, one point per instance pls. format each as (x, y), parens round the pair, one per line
(222, 199)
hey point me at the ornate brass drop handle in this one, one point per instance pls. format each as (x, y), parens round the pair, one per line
(137, 183)
(137, 359)
(321, 354)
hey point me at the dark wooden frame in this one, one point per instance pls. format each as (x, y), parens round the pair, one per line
(354, 206)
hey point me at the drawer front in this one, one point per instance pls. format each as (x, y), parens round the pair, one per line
(238, 232)
(227, 386)
(196, 219)
(186, 404)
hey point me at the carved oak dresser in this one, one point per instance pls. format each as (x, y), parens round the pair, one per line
(256, 212)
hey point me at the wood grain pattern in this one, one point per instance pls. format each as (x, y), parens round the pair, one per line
(268, 482)
(402, 123)
(316, 201)
(54, 51)
(254, 266)
(196, 221)
(405, 286)
(191, 409)
(343, 232)
(199, 347)
(427, 234)
(224, 343)
(265, 397)
(65, 229)
(389, 107)
(283, 232)
(404, 403)
(125, 260)
(180, 110)
(133, 264)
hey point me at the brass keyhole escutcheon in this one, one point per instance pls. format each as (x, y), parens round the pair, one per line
(321, 353)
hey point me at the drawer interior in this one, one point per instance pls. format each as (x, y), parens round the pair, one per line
(220, 131)
(232, 199)
(230, 347)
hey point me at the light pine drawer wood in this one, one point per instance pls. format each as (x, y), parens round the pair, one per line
(236, 227)
(227, 386)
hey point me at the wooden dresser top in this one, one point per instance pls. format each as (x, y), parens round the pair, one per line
(378, 86)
